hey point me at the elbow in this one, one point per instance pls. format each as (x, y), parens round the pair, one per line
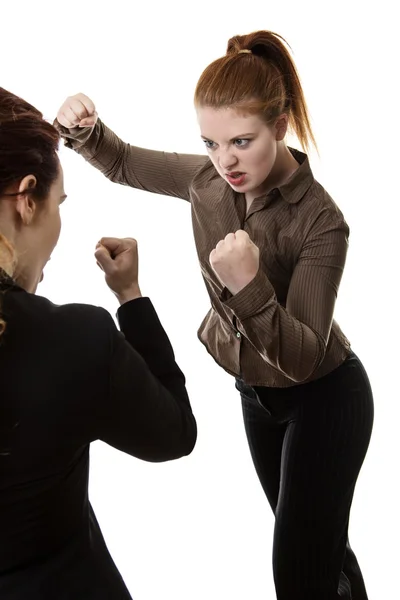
(189, 437)
(300, 377)
(304, 370)
(181, 443)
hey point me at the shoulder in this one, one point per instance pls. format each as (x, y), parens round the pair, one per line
(82, 319)
(320, 210)
(65, 312)
(206, 175)
(81, 326)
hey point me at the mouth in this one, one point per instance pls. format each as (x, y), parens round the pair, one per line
(236, 178)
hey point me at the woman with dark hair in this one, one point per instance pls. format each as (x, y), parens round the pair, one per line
(69, 377)
(272, 247)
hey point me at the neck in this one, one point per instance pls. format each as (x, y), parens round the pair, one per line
(284, 167)
(7, 256)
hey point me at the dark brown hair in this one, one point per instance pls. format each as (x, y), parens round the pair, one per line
(263, 80)
(28, 146)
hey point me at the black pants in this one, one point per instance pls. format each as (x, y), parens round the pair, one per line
(308, 444)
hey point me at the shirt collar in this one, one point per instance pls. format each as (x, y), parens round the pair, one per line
(6, 281)
(300, 182)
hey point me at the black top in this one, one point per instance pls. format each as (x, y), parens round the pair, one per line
(69, 377)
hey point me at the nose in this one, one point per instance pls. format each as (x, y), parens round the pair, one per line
(227, 160)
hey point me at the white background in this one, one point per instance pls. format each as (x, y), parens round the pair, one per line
(201, 527)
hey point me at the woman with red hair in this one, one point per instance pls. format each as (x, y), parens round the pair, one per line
(272, 247)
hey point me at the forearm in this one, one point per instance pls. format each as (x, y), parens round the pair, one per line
(283, 341)
(100, 146)
(143, 330)
(166, 173)
(149, 414)
(293, 338)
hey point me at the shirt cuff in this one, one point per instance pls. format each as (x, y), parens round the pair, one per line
(75, 137)
(252, 299)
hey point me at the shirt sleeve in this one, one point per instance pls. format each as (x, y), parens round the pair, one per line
(147, 413)
(293, 339)
(166, 173)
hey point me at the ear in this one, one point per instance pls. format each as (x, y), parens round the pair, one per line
(281, 127)
(25, 205)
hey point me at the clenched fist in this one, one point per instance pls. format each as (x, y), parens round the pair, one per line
(118, 258)
(77, 111)
(235, 261)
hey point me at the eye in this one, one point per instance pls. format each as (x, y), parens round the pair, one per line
(209, 144)
(241, 143)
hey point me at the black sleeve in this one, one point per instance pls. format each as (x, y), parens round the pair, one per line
(148, 413)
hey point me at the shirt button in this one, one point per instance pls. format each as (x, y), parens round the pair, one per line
(238, 334)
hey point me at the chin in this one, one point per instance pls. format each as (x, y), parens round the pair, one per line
(246, 187)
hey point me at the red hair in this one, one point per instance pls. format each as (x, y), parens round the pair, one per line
(263, 81)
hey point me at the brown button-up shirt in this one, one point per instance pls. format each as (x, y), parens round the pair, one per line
(279, 330)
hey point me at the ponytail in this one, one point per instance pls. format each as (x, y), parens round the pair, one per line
(258, 75)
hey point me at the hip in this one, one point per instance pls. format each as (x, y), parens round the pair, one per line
(346, 389)
(238, 357)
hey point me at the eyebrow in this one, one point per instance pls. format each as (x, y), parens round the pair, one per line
(237, 137)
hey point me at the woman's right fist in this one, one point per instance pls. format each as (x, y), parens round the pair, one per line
(77, 111)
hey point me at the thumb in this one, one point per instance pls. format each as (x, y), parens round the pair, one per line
(88, 121)
(103, 258)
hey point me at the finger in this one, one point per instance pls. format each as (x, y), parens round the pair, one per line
(117, 246)
(112, 244)
(77, 109)
(104, 259)
(80, 109)
(89, 121)
(242, 235)
(62, 119)
(87, 103)
(230, 239)
(212, 257)
(99, 265)
(70, 116)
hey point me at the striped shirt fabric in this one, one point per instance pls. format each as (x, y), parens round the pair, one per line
(279, 330)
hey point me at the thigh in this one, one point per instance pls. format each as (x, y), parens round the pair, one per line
(265, 438)
(352, 571)
(327, 440)
(323, 451)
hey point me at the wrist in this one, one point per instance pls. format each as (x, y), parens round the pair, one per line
(128, 295)
(238, 286)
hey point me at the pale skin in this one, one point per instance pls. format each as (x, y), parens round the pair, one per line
(236, 143)
(245, 144)
(32, 229)
(119, 260)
